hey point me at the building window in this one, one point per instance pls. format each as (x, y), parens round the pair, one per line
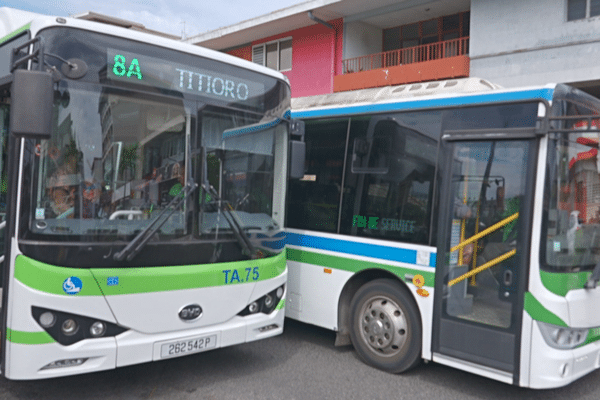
(276, 55)
(425, 32)
(580, 9)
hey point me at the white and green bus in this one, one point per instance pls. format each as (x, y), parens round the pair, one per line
(141, 206)
(452, 221)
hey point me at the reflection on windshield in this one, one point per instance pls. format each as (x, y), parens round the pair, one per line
(573, 225)
(118, 159)
(114, 157)
(240, 169)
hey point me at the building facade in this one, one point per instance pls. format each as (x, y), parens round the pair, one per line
(326, 46)
(517, 43)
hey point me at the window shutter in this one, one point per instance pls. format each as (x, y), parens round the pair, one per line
(258, 54)
(272, 52)
(285, 55)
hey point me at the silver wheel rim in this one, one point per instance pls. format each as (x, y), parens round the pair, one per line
(383, 326)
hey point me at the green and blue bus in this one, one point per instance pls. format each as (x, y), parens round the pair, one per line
(454, 222)
(141, 206)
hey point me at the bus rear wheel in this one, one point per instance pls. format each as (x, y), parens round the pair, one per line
(386, 328)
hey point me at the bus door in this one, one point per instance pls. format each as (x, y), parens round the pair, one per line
(4, 125)
(4, 128)
(482, 259)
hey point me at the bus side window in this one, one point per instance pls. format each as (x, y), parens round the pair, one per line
(389, 195)
(315, 198)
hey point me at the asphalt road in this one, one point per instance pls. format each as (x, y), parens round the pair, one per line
(300, 364)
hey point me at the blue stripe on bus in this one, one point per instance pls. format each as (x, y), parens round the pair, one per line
(534, 94)
(275, 242)
(247, 130)
(356, 248)
(254, 128)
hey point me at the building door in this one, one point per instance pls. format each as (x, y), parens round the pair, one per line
(482, 254)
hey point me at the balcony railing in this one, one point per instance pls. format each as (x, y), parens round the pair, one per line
(409, 55)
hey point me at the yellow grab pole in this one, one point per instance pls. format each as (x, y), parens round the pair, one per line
(485, 266)
(485, 232)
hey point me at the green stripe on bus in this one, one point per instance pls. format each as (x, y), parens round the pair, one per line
(22, 337)
(160, 279)
(117, 281)
(281, 304)
(49, 279)
(352, 265)
(15, 33)
(593, 336)
(561, 283)
(540, 313)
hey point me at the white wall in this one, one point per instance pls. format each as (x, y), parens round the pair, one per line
(361, 39)
(516, 42)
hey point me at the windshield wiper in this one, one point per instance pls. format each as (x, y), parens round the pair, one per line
(138, 242)
(595, 276)
(234, 223)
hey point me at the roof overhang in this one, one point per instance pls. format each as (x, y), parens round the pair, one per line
(271, 24)
(379, 13)
(123, 23)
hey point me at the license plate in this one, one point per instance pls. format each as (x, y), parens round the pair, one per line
(188, 346)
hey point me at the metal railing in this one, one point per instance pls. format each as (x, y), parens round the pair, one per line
(478, 236)
(409, 55)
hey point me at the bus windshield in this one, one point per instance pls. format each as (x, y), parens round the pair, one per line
(119, 158)
(572, 191)
(195, 165)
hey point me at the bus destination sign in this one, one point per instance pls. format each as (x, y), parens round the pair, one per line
(149, 71)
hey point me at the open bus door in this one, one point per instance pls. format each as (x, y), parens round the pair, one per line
(482, 262)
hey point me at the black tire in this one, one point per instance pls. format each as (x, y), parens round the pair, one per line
(386, 326)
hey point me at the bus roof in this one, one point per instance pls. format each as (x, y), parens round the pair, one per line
(14, 21)
(439, 94)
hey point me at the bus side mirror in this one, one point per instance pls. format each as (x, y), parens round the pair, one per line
(32, 100)
(297, 157)
(297, 149)
(297, 128)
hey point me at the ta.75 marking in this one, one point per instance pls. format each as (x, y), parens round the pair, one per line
(237, 276)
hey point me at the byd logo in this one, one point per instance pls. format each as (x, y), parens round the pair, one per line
(190, 312)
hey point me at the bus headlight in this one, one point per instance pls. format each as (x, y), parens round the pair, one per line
(560, 337)
(47, 319)
(66, 328)
(266, 304)
(268, 301)
(97, 329)
(69, 327)
(253, 307)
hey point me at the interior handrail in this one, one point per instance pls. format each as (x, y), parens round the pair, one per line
(486, 231)
(483, 267)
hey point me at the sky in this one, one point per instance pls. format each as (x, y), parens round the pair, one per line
(162, 15)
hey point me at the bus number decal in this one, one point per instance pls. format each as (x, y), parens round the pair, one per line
(235, 276)
(120, 68)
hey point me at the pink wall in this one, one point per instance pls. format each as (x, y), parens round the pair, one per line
(316, 57)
